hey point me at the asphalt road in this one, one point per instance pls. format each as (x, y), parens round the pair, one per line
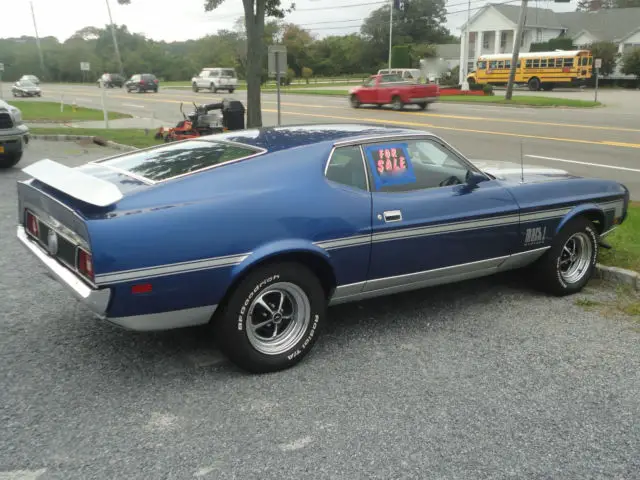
(484, 379)
(601, 142)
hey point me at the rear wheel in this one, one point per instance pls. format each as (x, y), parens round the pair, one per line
(231, 90)
(422, 105)
(9, 160)
(568, 265)
(272, 318)
(213, 88)
(534, 84)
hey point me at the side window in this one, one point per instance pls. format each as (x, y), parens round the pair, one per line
(543, 63)
(536, 63)
(568, 62)
(346, 167)
(413, 165)
(529, 63)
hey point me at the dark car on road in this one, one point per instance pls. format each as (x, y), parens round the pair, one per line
(111, 80)
(142, 82)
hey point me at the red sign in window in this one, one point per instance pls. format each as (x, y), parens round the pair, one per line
(390, 161)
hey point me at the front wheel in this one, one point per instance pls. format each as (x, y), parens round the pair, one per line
(231, 90)
(9, 160)
(396, 103)
(355, 101)
(272, 319)
(194, 87)
(570, 262)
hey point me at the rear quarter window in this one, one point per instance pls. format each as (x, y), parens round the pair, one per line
(171, 161)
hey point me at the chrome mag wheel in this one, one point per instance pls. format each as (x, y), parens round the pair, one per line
(278, 318)
(575, 257)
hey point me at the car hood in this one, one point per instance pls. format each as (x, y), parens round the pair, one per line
(513, 171)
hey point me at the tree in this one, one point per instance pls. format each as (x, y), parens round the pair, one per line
(594, 5)
(297, 40)
(255, 12)
(422, 21)
(631, 63)
(608, 52)
(400, 57)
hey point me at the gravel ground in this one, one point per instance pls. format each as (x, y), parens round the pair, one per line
(485, 379)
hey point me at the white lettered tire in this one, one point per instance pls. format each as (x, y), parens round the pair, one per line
(570, 262)
(272, 319)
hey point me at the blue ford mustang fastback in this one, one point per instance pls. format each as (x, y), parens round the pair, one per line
(256, 232)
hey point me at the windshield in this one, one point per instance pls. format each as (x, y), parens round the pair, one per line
(26, 83)
(171, 161)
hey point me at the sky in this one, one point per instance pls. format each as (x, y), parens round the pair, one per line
(160, 20)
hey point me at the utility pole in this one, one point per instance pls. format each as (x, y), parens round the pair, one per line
(464, 86)
(516, 49)
(35, 27)
(391, 5)
(400, 5)
(115, 41)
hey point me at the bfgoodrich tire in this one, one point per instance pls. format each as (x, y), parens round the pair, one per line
(570, 262)
(9, 160)
(272, 319)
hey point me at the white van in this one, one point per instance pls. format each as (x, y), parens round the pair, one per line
(215, 79)
(410, 74)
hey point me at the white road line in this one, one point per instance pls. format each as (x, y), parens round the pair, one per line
(614, 167)
(132, 105)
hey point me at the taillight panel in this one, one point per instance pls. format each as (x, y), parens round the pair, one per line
(32, 224)
(61, 246)
(84, 264)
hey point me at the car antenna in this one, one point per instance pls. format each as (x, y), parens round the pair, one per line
(521, 163)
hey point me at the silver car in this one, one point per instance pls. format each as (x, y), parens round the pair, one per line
(26, 88)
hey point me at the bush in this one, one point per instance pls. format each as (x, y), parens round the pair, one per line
(307, 73)
(487, 89)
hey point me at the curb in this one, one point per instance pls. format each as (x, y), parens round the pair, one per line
(94, 139)
(618, 275)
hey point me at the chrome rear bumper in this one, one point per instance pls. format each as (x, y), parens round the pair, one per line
(96, 300)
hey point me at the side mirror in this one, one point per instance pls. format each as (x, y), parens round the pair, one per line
(473, 179)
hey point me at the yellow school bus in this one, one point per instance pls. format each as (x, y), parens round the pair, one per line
(539, 70)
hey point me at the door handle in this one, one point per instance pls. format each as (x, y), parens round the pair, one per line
(392, 216)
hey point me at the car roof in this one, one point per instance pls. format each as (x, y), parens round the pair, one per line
(290, 136)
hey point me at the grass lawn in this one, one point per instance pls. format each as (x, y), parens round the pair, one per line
(625, 241)
(39, 111)
(528, 100)
(522, 100)
(125, 136)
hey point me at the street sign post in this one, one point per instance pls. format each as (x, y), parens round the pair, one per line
(598, 66)
(1, 70)
(277, 65)
(84, 67)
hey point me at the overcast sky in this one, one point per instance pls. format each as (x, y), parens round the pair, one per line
(161, 20)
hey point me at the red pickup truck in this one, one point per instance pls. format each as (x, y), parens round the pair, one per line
(391, 89)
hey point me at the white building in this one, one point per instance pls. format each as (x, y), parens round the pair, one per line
(492, 30)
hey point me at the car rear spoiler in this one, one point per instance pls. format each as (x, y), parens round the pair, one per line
(75, 183)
